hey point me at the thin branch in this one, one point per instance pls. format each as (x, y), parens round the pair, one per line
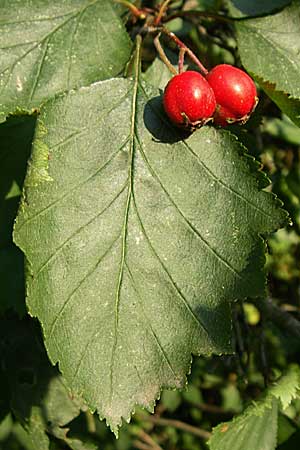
(148, 440)
(181, 60)
(201, 14)
(179, 425)
(180, 45)
(140, 445)
(133, 9)
(161, 12)
(283, 319)
(163, 56)
(212, 409)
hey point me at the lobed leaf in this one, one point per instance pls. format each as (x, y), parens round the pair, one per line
(137, 241)
(51, 46)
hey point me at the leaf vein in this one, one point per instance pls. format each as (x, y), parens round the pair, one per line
(148, 323)
(77, 231)
(173, 283)
(188, 223)
(72, 294)
(77, 186)
(42, 60)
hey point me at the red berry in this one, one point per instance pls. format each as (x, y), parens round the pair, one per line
(235, 94)
(189, 100)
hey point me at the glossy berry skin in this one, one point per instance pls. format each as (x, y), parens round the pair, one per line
(188, 100)
(235, 93)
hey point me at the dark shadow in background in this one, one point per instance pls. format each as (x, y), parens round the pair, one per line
(16, 135)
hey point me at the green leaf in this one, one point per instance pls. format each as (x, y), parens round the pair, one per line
(244, 8)
(73, 442)
(137, 242)
(256, 428)
(288, 387)
(282, 129)
(39, 396)
(49, 46)
(158, 74)
(270, 50)
(251, 430)
(16, 137)
(290, 106)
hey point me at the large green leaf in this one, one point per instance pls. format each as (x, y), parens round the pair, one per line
(137, 242)
(270, 50)
(48, 46)
(256, 428)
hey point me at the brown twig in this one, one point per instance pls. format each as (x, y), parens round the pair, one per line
(181, 60)
(140, 445)
(149, 440)
(133, 9)
(161, 12)
(163, 56)
(178, 424)
(180, 45)
(212, 409)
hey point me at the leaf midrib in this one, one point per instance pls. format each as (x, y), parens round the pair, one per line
(127, 207)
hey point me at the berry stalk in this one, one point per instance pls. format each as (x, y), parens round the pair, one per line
(180, 45)
(163, 56)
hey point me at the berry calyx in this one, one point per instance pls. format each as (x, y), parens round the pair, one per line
(188, 100)
(235, 94)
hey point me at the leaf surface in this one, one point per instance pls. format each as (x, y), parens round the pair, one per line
(270, 50)
(257, 426)
(49, 46)
(137, 242)
(244, 8)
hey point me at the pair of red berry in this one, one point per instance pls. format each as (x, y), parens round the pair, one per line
(226, 93)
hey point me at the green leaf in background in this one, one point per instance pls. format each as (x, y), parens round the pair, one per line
(256, 428)
(48, 46)
(244, 8)
(282, 129)
(16, 137)
(270, 50)
(158, 74)
(290, 106)
(137, 242)
(39, 397)
(251, 430)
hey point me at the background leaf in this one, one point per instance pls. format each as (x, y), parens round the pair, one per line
(257, 426)
(38, 395)
(244, 8)
(51, 46)
(270, 50)
(128, 241)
